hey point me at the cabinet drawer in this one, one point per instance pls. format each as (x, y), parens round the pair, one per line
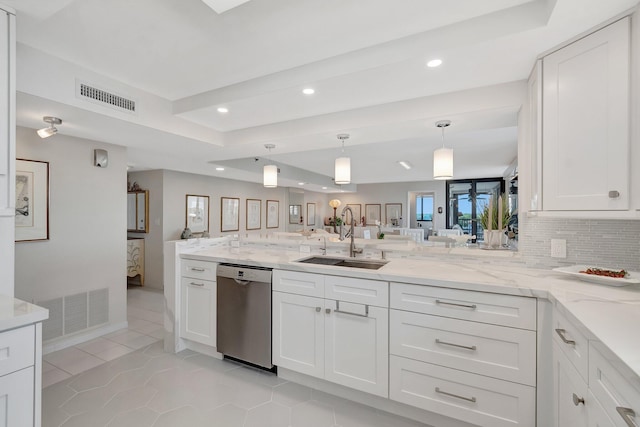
(294, 282)
(504, 310)
(17, 349)
(572, 342)
(476, 399)
(363, 291)
(495, 351)
(205, 270)
(618, 397)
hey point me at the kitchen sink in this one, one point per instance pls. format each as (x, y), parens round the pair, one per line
(342, 262)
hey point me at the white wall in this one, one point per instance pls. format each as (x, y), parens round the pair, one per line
(87, 224)
(397, 192)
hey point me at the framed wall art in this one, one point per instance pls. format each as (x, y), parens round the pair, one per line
(229, 214)
(254, 206)
(311, 214)
(273, 215)
(393, 213)
(295, 214)
(197, 213)
(372, 213)
(32, 200)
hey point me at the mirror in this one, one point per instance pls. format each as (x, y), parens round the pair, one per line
(296, 201)
(138, 211)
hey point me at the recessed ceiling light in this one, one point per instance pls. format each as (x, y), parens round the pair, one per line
(434, 63)
(324, 188)
(301, 183)
(219, 169)
(308, 91)
(223, 110)
(404, 164)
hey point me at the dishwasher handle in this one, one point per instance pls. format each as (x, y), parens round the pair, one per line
(242, 282)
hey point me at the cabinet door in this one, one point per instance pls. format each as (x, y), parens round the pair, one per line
(570, 392)
(357, 346)
(586, 123)
(298, 333)
(597, 416)
(198, 311)
(16, 399)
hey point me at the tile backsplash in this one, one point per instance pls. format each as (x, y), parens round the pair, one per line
(606, 243)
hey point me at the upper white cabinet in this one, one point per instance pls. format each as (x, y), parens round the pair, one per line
(585, 123)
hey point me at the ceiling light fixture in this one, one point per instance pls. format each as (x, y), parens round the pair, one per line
(404, 164)
(343, 164)
(308, 91)
(301, 183)
(434, 63)
(223, 110)
(443, 157)
(270, 172)
(219, 169)
(51, 129)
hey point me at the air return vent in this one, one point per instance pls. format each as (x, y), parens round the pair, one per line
(102, 97)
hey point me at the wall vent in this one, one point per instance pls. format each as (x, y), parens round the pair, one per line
(103, 97)
(75, 313)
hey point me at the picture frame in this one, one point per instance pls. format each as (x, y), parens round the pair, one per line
(311, 214)
(393, 212)
(357, 213)
(197, 213)
(32, 200)
(273, 214)
(253, 214)
(229, 214)
(373, 213)
(295, 214)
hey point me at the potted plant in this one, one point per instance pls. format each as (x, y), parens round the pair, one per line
(494, 218)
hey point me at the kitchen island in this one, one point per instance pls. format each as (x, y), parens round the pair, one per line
(605, 317)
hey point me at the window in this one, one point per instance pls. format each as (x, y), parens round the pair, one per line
(424, 207)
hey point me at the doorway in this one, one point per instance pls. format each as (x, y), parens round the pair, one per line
(466, 198)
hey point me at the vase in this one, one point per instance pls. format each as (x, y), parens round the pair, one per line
(494, 239)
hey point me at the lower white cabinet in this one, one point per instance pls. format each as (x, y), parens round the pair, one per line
(198, 311)
(570, 392)
(17, 398)
(597, 417)
(472, 398)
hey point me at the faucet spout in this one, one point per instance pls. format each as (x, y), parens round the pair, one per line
(352, 247)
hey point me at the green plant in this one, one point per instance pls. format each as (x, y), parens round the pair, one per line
(484, 216)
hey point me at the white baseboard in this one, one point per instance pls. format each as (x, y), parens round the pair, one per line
(84, 336)
(201, 348)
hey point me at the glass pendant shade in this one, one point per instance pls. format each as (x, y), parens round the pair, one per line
(343, 170)
(443, 163)
(270, 177)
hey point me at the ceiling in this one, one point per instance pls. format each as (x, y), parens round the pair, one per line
(181, 60)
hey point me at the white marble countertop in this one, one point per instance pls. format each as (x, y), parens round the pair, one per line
(610, 315)
(15, 313)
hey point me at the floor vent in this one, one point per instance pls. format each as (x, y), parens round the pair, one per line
(85, 91)
(74, 313)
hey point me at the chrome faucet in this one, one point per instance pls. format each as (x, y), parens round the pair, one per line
(352, 247)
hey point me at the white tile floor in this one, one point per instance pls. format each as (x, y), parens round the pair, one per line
(148, 387)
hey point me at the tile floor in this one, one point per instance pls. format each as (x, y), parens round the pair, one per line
(148, 387)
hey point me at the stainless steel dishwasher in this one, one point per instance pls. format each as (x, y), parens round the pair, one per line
(244, 313)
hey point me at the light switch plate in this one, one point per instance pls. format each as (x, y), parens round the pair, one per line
(558, 248)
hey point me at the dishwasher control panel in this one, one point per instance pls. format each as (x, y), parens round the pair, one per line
(244, 273)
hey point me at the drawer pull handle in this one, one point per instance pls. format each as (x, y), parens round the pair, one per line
(471, 306)
(472, 347)
(318, 309)
(627, 415)
(196, 284)
(577, 400)
(197, 269)
(468, 399)
(366, 311)
(564, 339)
(613, 194)
(327, 310)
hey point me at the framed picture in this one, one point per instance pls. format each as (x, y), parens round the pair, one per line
(295, 214)
(229, 214)
(273, 216)
(311, 214)
(357, 213)
(254, 206)
(197, 217)
(393, 213)
(32, 200)
(372, 213)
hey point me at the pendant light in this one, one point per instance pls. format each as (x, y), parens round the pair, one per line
(270, 172)
(443, 157)
(343, 164)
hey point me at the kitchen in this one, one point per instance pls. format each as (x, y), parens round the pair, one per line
(596, 237)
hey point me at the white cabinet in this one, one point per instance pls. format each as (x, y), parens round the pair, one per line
(344, 341)
(570, 390)
(17, 398)
(585, 123)
(198, 302)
